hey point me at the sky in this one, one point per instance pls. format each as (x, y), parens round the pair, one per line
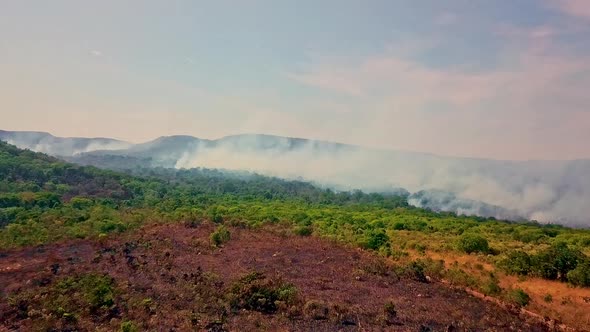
(472, 78)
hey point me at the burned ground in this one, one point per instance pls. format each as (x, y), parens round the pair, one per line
(170, 278)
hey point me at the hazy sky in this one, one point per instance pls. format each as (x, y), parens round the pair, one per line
(499, 79)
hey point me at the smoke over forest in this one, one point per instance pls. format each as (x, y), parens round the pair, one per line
(546, 191)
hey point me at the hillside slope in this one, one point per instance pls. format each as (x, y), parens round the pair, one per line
(547, 191)
(168, 277)
(45, 204)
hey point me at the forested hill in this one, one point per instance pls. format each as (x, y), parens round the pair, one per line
(27, 171)
(44, 199)
(551, 191)
(24, 171)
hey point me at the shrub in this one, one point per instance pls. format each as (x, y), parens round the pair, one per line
(548, 298)
(215, 215)
(458, 277)
(97, 291)
(255, 291)
(518, 297)
(492, 286)
(556, 261)
(128, 326)
(389, 313)
(580, 276)
(544, 269)
(420, 248)
(399, 226)
(389, 309)
(433, 268)
(316, 310)
(414, 270)
(220, 236)
(377, 266)
(303, 230)
(516, 263)
(471, 243)
(112, 226)
(376, 240)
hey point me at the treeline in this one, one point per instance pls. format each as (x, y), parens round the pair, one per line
(557, 262)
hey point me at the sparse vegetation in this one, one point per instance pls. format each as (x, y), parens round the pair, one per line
(518, 297)
(491, 286)
(128, 326)
(315, 309)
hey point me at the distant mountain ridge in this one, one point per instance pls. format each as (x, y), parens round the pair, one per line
(69, 146)
(59, 146)
(548, 191)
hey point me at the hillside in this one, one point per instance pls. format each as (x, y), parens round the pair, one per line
(546, 191)
(56, 226)
(170, 277)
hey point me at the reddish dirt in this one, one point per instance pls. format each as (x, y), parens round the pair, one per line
(157, 262)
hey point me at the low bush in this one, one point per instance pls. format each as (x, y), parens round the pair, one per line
(389, 313)
(97, 291)
(317, 310)
(580, 276)
(256, 292)
(516, 263)
(518, 297)
(303, 230)
(128, 326)
(491, 286)
(377, 266)
(413, 270)
(473, 243)
(376, 240)
(220, 236)
(457, 277)
(433, 268)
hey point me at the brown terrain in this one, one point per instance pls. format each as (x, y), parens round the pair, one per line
(169, 278)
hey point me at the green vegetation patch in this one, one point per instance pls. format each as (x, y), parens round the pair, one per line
(473, 243)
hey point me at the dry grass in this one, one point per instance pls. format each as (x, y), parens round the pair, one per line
(569, 305)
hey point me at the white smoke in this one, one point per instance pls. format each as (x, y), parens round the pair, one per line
(64, 147)
(547, 191)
